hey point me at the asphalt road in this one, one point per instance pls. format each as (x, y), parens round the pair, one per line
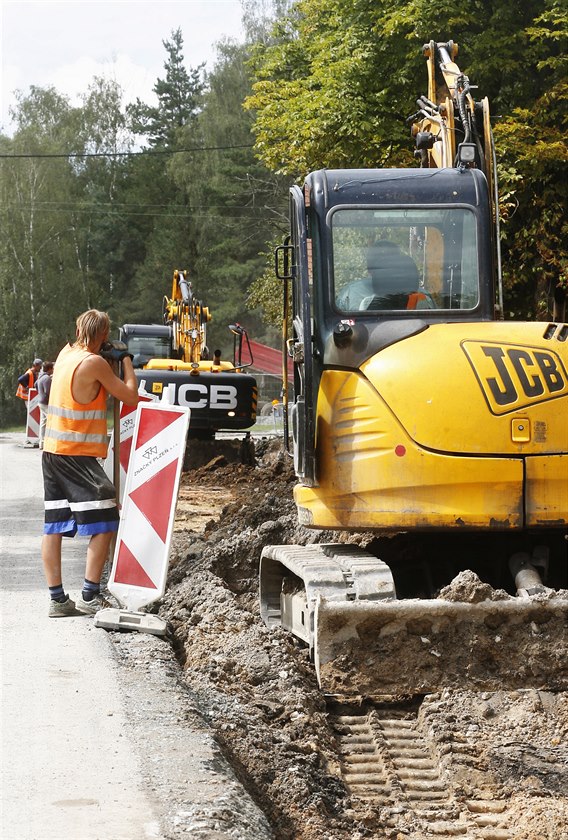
(100, 740)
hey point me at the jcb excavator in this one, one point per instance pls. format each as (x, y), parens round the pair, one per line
(175, 357)
(423, 421)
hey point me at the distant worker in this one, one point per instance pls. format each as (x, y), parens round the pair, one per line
(28, 379)
(79, 498)
(392, 282)
(43, 386)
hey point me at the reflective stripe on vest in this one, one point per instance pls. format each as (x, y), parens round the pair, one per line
(22, 391)
(77, 437)
(74, 428)
(72, 414)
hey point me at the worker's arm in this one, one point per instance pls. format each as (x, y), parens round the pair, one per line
(124, 390)
(95, 371)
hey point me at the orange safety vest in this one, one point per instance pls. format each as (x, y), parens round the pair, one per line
(74, 428)
(22, 391)
(414, 299)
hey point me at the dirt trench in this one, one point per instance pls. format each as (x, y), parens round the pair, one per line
(492, 766)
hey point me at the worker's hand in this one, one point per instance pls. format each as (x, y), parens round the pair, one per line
(115, 351)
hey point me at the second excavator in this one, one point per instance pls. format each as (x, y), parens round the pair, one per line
(173, 357)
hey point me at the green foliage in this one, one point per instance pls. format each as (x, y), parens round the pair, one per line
(94, 228)
(338, 78)
(330, 83)
(178, 99)
(54, 255)
(265, 292)
(236, 204)
(532, 170)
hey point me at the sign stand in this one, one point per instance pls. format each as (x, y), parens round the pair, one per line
(140, 565)
(33, 418)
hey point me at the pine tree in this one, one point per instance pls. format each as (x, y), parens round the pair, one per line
(179, 96)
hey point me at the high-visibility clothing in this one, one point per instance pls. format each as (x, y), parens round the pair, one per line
(74, 428)
(414, 299)
(23, 390)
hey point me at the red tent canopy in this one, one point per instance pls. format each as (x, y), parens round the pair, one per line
(268, 360)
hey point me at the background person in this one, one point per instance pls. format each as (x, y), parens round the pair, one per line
(79, 497)
(28, 379)
(43, 386)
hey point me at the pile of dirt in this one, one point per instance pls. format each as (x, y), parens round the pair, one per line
(257, 688)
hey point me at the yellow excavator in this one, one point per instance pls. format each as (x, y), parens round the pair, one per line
(425, 423)
(174, 357)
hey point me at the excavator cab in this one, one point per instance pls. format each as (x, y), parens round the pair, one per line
(376, 256)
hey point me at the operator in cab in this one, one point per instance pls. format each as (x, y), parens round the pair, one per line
(392, 282)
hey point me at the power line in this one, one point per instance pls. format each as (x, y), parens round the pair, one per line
(101, 206)
(127, 154)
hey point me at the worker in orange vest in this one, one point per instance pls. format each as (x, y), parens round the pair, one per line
(28, 379)
(79, 497)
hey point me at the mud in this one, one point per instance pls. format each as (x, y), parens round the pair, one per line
(257, 690)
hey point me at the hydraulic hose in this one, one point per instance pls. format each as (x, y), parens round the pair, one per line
(462, 90)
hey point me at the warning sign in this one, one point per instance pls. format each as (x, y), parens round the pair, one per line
(127, 420)
(32, 426)
(157, 449)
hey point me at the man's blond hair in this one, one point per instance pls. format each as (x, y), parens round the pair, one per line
(92, 325)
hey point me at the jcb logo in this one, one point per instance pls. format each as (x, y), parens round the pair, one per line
(220, 397)
(513, 376)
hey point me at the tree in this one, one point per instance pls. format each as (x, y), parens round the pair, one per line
(163, 204)
(179, 96)
(533, 158)
(235, 203)
(58, 220)
(334, 86)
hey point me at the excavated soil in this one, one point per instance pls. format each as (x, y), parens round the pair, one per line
(257, 690)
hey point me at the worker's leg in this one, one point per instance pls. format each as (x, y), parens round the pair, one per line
(51, 558)
(91, 599)
(60, 604)
(97, 554)
(59, 522)
(89, 510)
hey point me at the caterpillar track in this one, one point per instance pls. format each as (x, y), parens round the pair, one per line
(398, 674)
(402, 777)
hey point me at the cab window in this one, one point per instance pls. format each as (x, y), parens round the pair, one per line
(404, 260)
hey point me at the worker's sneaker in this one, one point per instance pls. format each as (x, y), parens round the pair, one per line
(93, 606)
(59, 609)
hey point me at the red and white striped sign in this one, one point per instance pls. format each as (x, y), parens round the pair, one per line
(33, 421)
(141, 556)
(127, 418)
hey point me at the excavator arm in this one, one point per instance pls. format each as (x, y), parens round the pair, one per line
(451, 129)
(188, 318)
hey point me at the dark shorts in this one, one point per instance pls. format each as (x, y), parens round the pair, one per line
(79, 496)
